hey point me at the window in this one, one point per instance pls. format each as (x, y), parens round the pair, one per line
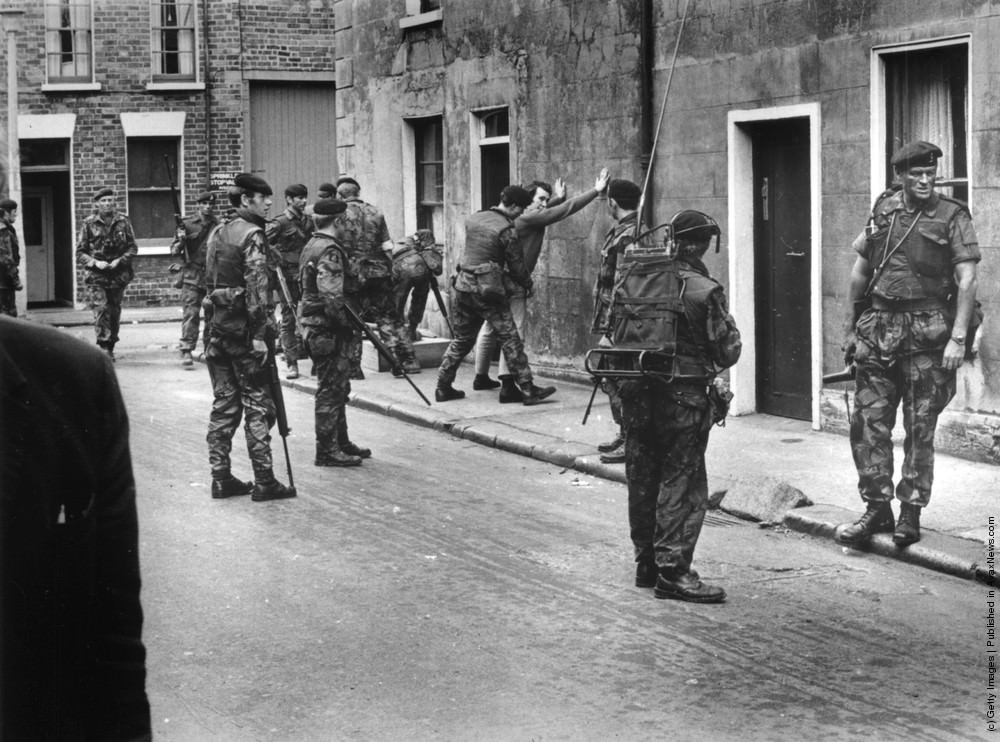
(173, 40)
(429, 149)
(494, 155)
(150, 205)
(926, 97)
(68, 46)
(421, 13)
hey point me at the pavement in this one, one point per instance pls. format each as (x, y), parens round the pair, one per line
(776, 471)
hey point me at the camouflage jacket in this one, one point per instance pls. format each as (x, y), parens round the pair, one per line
(10, 257)
(107, 241)
(196, 231)
(364, 228)
(287, 235)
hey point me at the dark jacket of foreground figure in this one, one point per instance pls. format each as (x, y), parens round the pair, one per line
(73, 661)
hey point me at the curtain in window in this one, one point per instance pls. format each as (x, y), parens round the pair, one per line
(920, 107)
(67, 39)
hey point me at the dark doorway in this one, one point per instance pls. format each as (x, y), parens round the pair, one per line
(48, 236)
(782, 260)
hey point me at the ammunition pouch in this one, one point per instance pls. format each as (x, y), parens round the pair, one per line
(369, 271)
(484, 280)
(227, 317)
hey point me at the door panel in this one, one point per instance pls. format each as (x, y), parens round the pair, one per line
(783, 256)
(39, 249)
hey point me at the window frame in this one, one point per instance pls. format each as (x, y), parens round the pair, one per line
(160, 80)
(155, 242)
(880, 125)
(51, 33)
(422, 128)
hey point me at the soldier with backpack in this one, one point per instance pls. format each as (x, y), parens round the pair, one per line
(672, 335)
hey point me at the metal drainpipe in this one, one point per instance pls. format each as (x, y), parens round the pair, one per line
(646, 62)
(208, 94)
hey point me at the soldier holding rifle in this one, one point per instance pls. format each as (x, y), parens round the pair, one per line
(239, 314)
(190, 242)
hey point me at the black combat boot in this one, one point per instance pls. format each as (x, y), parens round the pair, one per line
(687, 587)
(483, 382)
(908, 526)
(645, 572)
(351, 449)
(271, 490)
(509, 393)
(876, 519)
(186, 360)
(535, 394)
(615, 456)
(293, 370)
(609, 446)
(337, 457)
(230, 486)
(446, 393)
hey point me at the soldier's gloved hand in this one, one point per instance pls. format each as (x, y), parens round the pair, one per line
(259, 351)
(101, 265)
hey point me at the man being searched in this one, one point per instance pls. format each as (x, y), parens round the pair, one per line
(105, 248)
(667, 418)
(240, 329)
(189, 242)
(287, 235)
(913, 316)
(328, 335)
(491, 249)
(548, 206)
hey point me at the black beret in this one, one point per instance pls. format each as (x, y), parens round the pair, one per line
(329, 207)
(102, 193)
(347, 179)
(687, 222)
(625, 192)
(297, 189)
(206, 197)
(8, 204)
(916, 154)
(328, 188)
(252, 183)
(515, 195)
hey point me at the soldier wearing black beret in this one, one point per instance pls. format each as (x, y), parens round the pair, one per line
(913, 317)
(10, 258)
(105, 249)
(240, 333)
(287, 235)
(190, 243)
(328, 333)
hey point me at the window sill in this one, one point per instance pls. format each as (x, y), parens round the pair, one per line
(422, 19)
(71, 87)
(171, 87)
(153, 246)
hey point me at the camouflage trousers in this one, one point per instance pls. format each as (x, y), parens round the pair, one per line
(378, 305)
(106, 303)
(417, 292)
(898, 362)
(468, 316)
(666, 434)
(240, 389)
(291, 340)
(8, 305)
(332, 369)
(191, 297)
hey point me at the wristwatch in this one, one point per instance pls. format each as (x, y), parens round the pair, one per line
(960, 339)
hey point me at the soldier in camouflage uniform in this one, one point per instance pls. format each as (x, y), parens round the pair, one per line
(190, 242)
(913, 300)
(240, 317)
(623, 200)
(370, 289)
(105, 248)
(328, 334)
(667, 423)
(287, 235)
(491, 249)
(10, 258)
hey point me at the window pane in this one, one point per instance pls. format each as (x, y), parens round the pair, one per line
(496, 124)
(430, 164)
(41, 152)
(926, 98)
(152, 213)
(150, 205)
(67, 40)
(173, 39)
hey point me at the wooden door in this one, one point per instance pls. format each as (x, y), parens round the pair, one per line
(783, 256)
(38, 245)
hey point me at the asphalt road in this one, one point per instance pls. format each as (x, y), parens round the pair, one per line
(448, 591)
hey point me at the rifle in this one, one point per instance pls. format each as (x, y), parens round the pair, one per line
(285, 291)
(274, 386)
(848, 374)
(177, 208)
(383, 351)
